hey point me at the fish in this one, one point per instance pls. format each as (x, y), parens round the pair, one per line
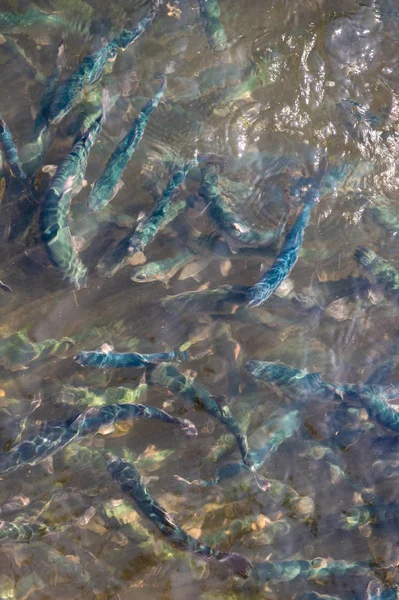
(384, 217)
(229, 222)
(162, 270)
(284, 427)
(381, 270)
(23, 531)
(18, 350)
(257, 294)
(55, 435)
(288, 255)
(109, 182)
(131, 483)
(300, 385)
(165, 210)
(318, 568)
(10, 152)
(120, 360)
(210, 13)
(172, 379)
(67, 182)
(91, 69)
(34, 147)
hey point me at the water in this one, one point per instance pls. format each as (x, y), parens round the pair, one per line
(294, 88)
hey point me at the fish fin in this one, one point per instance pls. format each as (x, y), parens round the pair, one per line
(239, 564)
(138, 258)
(50, 169)
(161, 512)
(107, 429)
(221, 400)
(140, 216)
(106, 348)
(5, 287)
(225, 267)
(262, 483)
(48, 465)
(61, 60)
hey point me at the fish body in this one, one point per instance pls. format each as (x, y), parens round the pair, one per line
(121, 360)
(89, 72)
(162, 270)
(92, 68)
(33, 150)
(171, 378)
(288, 255)
(230, 223)
(22, 531)
(10, 151)
(318, 568)
(210, 13)
(384, 274)
(107, 186)
(164, 211)
(66, 182)
(301, 385)
(55, 435)
(131, 483)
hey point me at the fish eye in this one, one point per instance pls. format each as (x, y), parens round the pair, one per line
(140, 277)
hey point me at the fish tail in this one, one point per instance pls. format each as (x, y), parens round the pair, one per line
(262, 483)
(181, 355)
(239, 564)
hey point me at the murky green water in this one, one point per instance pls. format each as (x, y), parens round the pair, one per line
(280, 90)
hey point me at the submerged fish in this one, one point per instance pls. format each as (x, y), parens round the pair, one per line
(162, 270)
(301, 385)
(284, 427)
(318, 568)
(385, 275)
(55, 435)
(33, 149)
(109, 183)
(120, 360)
(171, 378)
(23, 531)
(11, 152)
(210, 12)
(17, 350)
(230, 223)
(164, 211)
(127, 476)
(66, 182)
(92, 68)
(287, 257)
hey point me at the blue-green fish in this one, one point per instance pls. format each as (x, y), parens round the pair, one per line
(284, 426)
(109, 183)
(121, 360)
(55, 435)
(33, 149)
(318, 568)
(66, 182)
(229, 222)
(287, 257)
(172, 379)
(210, 12)
(385, 275)
(92, 68)
(10, 151)
(131, 483)
(164, 211)
(301, 385)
